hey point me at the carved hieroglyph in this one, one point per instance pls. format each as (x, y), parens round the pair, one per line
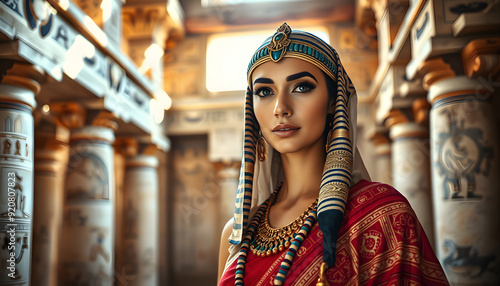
(465, 166)
(87, 250)
(139, 236)
(51, 154)
(16, 183)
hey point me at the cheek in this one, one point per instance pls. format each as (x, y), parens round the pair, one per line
(260, 113)
(316, 114)
(257, 111)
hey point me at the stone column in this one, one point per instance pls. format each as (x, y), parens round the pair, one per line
(465, 163)
(19, 85)
(87, 252)
(139, 236)
(124, 148)
(51, 153)
(411, 170)
(383, 164)
(119, 165)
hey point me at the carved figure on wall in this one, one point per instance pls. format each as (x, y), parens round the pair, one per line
(461, 154)
(6, 146)
(465, 260)
(18, 148)
(97, 248)
(21, 244)
(20, 199)
(87, 177)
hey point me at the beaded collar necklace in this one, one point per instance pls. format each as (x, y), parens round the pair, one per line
(268, 240)
(264, 240)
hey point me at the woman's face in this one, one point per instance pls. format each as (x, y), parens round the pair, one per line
(291, 103)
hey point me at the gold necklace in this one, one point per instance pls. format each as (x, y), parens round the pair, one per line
(268, 240)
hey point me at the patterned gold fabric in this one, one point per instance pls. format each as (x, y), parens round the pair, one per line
(381, 242)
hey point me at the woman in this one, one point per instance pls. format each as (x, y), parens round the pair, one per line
(305, 212)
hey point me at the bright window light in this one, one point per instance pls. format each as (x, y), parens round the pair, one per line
(228, 55)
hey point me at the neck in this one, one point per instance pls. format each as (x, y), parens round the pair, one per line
(302, 171)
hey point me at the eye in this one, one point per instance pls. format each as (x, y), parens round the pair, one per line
(263, 92)
(304, 87)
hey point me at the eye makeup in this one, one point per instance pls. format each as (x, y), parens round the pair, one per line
(304, 86)
(263, 92)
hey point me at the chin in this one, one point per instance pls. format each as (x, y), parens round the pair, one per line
(288, 148)
(292, 146)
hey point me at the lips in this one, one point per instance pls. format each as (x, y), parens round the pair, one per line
(285, 130)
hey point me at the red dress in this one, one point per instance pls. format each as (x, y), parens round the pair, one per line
(381, 242)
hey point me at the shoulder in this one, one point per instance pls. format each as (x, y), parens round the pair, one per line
(380, 208)
(224, 238)
(226, 231)
(224, 246)
(376, 199)
(375, 190)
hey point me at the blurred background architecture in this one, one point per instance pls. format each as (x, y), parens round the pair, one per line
(121, 128)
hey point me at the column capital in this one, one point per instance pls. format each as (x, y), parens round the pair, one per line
(481, 57)
(127, 146)
(93, 9)
(69, 114)
(24, 75)
(143, 22)
(147, 148)
(434, 70)
(380, 138)
(420, 108)
(142, 161)
(142, 30)
(50, 135)
(396, 116)
(105, 119)
(416, 114)
(458, 86)
(408, 130)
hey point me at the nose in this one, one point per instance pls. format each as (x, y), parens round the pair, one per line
(282, 107)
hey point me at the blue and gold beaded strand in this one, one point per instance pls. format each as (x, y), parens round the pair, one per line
(287, 262)
(245, 245)
(240, 265)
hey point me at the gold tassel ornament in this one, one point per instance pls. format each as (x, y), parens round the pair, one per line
(322, 275)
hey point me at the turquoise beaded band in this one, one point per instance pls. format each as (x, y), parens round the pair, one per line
(296, 44)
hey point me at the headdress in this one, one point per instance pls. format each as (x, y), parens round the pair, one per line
(338, 170)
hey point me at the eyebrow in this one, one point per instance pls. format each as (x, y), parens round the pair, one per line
(288, 78)
(299, 75)
(263, 80)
